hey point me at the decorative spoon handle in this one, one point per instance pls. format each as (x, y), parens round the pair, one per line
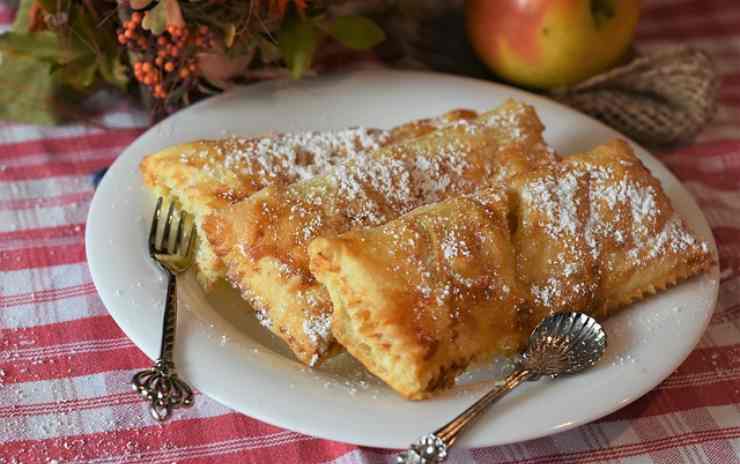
(433, 448)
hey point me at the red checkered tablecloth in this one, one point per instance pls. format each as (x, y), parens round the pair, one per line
(65, 365)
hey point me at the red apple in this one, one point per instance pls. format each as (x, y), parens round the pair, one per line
(550, 43)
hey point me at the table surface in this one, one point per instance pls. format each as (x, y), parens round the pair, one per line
(65, 365)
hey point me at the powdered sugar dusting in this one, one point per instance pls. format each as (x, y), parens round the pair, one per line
(556, 197)
(264, 318)
(470, 127)
(288, 157)
(453, 246)
(395, 185)
(626, 210)
(674, 236)
(552, 202)
(318, 328)
(546, 294)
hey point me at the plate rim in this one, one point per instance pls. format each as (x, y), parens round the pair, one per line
(323, 432)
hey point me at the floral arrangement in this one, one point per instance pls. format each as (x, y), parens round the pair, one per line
(177, 51)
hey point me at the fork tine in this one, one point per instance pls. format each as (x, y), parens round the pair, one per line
(178, 237)
(191, 240)
(164, 246)
(155, 226)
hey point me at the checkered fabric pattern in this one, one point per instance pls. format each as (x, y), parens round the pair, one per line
(65, 365)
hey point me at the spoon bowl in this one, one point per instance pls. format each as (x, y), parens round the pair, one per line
(565, 343)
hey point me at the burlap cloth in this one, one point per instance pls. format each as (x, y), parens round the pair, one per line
(664, 97)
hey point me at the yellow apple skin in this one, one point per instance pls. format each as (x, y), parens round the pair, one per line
(550, 43)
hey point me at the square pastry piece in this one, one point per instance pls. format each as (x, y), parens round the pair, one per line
(263, 240)
(208, 175)
(639, 243)
(418, 299)
(596, 232)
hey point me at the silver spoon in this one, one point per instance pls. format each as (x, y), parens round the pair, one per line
(564, 343)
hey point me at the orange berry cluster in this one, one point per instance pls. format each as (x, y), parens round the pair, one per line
(165, 60)
(129, 35)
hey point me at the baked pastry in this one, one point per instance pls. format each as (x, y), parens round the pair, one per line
(263, 240)
(643, 246)
(596, 233)
(208, 175)
(592, 233)
(419, 298)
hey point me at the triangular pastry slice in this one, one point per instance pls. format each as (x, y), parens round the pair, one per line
(263, 240)
(208, 175)
(418, 299)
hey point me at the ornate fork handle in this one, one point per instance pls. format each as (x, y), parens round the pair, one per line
(160, 384)
(433, 448)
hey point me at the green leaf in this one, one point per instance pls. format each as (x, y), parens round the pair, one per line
(40, 46)
(26, 89)
(78, 74)
(36, 69)
(297, 41)
(84, 27)
(113, 70)
(43, 46)
(166, 13)
(155, 20)
(357, 32)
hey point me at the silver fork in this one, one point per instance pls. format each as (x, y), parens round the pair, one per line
(160, 384)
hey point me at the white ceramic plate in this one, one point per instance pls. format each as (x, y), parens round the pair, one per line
(222, 351)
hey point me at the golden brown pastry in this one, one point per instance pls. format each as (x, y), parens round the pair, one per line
(416, 299)
(208, 175)
(596, 233)
(643, 246)
(419, 298)
(263, 240)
